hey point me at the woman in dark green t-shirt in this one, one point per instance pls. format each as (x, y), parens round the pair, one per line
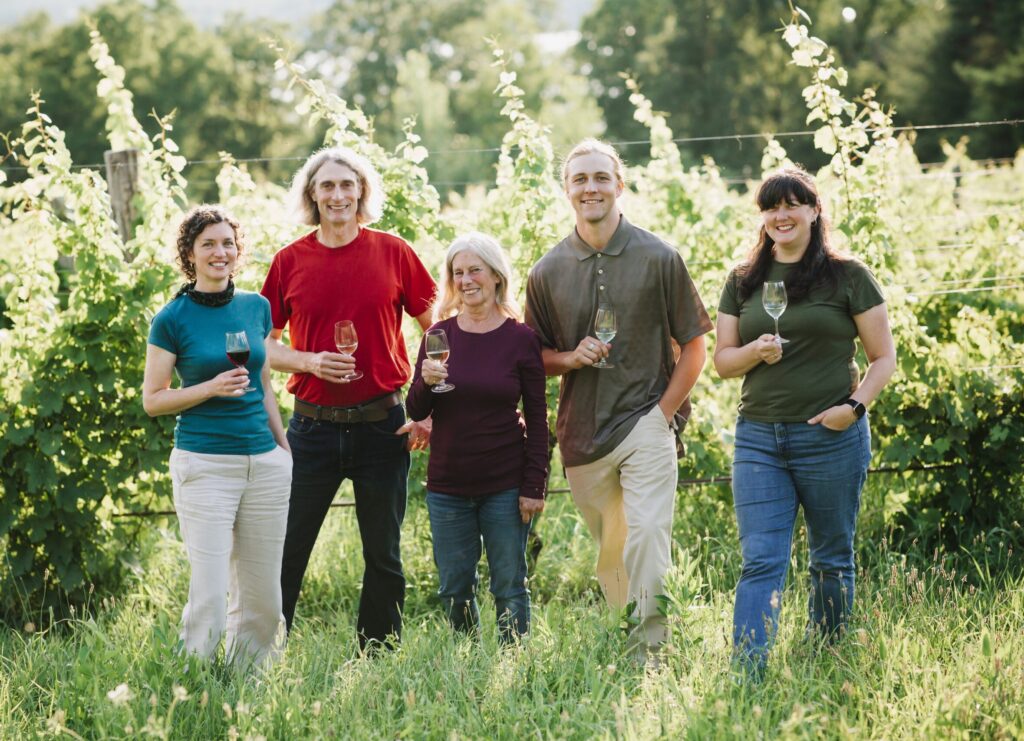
(802, 435)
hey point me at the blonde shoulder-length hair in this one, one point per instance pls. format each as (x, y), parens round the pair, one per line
(449, 299)
(371, 191)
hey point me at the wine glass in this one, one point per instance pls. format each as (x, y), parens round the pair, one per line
(347, 340)
(604, 329)
(773, 297)
(437, 349)
(237, 346)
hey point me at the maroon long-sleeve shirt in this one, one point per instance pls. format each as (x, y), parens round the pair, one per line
(480, 443)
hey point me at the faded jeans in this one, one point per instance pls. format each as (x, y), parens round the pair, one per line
(778, 468)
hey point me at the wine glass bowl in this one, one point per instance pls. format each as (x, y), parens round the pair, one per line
(604, 330)
(437, 349)
(346, 340)
(236, 344)
(773, 298)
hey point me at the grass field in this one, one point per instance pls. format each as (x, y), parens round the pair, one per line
(936, 650)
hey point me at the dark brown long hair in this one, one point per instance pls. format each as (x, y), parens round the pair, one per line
(820, 264)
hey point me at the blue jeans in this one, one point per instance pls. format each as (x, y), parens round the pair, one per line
(778, 467)
(374, 458)
(458, 525)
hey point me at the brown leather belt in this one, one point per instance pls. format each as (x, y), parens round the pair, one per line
(375, 410)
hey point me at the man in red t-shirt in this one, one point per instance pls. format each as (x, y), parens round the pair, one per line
(346, 425)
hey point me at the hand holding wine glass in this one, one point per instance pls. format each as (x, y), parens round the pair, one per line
(604, 330)
(437, 349)
(773, 298)
(347, 341)
(237, 346)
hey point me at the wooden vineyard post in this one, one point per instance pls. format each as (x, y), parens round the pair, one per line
(122, 182)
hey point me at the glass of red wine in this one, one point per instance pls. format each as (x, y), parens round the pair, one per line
(237, 346)
(347, 341)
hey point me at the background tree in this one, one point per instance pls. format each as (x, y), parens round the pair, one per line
(975, 73)
(715, 69)
(220, 82)
(433, 60)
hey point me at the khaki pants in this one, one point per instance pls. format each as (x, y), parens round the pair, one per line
(627, 499)
(232, 511)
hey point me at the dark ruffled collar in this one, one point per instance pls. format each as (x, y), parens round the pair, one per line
(220, 298)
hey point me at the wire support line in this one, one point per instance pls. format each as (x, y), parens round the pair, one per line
(961, 281)
(682, 483)
(983, 289)
(723, 479)
(677, 140)
(994, 367)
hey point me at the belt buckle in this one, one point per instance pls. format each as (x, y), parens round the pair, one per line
(346, 415)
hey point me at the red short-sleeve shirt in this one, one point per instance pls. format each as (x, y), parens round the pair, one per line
(371, 281)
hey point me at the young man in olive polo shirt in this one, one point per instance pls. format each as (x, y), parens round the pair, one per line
(616, 426)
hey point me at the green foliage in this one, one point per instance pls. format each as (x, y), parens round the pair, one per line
(714, 66)
(220, 81)
(77, 448)
(931, 649)
(432, 60)
(76, 444)
(524, 211)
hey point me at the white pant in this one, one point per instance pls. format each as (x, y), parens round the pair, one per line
(232, 511)
(627, 499)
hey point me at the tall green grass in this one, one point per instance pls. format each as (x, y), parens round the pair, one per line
(935, 650)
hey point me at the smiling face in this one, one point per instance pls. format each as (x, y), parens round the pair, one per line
(335, 190)
(788, 223)
(593, 188)
(476, 283)
(214, 254)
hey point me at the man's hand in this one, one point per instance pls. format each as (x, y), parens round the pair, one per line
(530, 508)
(589, 351)
(419, 434)
(331, 366)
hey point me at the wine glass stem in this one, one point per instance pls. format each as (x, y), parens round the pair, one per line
(777, 328)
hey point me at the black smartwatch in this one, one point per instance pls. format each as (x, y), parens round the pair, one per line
(858, 408)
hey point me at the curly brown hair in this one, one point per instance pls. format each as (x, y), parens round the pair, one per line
(193, 224)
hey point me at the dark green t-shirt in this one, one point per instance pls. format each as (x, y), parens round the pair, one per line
(817, 369)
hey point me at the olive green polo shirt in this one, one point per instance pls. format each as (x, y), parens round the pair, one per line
(818, 368)
(655, 301)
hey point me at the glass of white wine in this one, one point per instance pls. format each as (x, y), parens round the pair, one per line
(604, 330)
(346, 340)
(437, 349)
(773, 298)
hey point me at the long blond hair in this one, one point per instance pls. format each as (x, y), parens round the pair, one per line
(371, 192)
(449, 298)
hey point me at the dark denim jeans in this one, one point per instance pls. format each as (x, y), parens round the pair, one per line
(458, 525)
(374, 458)
(777, 468)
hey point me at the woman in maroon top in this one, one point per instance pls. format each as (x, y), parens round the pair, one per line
(488, 463)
